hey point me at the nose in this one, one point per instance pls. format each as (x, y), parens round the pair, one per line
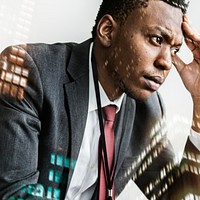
(164, 59)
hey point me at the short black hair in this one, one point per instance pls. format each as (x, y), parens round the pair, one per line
(120, 9)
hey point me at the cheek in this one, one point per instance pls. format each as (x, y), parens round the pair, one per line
(129, 57)
(140, 50)
(144, 58)
(134, 60)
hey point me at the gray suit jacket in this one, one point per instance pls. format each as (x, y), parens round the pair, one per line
(40, 136)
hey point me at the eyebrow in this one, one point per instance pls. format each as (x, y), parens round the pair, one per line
(167, 35)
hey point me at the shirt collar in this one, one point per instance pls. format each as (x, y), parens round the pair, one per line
(104, 98)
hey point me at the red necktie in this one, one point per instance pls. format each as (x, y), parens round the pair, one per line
(109, 116)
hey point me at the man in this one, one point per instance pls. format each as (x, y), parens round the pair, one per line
(50, 123)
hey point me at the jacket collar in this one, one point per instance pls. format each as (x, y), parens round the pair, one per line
(77, 93)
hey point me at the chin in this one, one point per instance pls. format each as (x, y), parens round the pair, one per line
(139, 95)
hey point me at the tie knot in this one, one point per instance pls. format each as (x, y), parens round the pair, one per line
(109, 113)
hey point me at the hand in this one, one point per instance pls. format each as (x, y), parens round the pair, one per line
(190, 73)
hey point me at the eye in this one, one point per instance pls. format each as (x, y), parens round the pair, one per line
(157, 40)
(175, 51)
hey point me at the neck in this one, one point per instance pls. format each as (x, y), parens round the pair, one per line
(106, 78)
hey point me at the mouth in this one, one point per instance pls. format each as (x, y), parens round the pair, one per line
(154, 82)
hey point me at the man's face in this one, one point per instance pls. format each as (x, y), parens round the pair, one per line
(142, 51)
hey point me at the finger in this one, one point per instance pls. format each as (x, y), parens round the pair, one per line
(178, 63)
(189, 31)
(191, 45)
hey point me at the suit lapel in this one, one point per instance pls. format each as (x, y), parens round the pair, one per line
(123, 130)
(77, 93)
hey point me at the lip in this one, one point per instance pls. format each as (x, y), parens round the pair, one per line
(153, 82)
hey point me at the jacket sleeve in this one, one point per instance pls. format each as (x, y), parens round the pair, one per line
(20, 104)
(190, 169)
(160, 176)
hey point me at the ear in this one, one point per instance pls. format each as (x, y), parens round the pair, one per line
(106, 30)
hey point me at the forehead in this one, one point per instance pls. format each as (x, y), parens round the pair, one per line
(157, 13)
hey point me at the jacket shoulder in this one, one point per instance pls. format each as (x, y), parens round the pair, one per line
(42, 49)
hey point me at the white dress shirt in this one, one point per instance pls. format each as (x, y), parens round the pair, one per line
(85, 174)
